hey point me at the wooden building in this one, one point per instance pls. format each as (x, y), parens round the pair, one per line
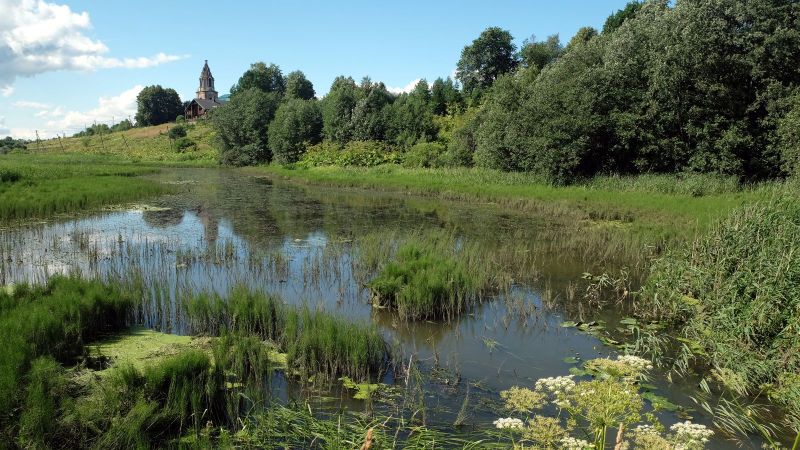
(207, 97)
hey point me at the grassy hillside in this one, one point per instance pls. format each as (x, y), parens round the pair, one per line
(147, 144)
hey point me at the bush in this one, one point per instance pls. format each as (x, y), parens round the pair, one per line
(427, 154)
(183, 143)
(9, 176)
(355, 153)
(177, 132)
(735, 293)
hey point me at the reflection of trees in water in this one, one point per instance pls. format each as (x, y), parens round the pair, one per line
(163, 218)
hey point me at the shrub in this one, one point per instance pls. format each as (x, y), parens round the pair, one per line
(9, 176)
(427, 154)
(183, 143)
(355, 153)
(177, 132)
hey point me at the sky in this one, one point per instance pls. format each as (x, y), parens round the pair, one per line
(67, 64)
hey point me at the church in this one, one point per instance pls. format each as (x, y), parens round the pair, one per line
(207, 98)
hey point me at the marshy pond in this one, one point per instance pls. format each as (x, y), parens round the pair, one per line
(541, 315)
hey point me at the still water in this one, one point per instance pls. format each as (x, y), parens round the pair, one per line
(225, 228)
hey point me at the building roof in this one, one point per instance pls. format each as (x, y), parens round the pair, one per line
(206, 103)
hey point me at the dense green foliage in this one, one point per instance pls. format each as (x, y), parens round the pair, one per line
(489, 56)
(262, 77)
(695, 86)
(298, 86)
(49, 321)
(8, 144)
(735, 294)
(242, 127)
(297, 124)
(40, 186)
(157, 105)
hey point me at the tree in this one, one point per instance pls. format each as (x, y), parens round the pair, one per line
(445, 97)
(410, 118)
(616, 20)
(789, 136)
(337, 109)
(490, 55)
(297, 124)
(262, 77)
(539, 54)
(368, 121)
(298, 86)
(242, 127)
(156, 105)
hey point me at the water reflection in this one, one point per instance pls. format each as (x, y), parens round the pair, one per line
(301, 243)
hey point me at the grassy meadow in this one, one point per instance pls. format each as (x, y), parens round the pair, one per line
(142, 144)
(42, 185)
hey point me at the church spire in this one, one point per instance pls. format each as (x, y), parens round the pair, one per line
(206, 89)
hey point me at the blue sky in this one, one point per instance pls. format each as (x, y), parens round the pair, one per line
(66, 64)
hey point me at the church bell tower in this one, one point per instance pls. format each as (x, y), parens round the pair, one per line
(206, 90)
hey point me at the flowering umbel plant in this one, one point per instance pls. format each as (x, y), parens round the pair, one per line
(586, 409)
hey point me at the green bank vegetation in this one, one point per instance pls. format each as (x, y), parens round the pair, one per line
(733, 297)
(148, 144)
(45, 185)
(52, 337)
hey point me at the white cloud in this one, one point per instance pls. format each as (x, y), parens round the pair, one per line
(31, 105)
(3, 130)
(37, 37)
(117, 108)
(6, 91)
(406, 89)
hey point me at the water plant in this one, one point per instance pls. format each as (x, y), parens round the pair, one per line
(420, 285)
(316, 342)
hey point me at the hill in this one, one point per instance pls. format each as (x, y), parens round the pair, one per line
(147, 144)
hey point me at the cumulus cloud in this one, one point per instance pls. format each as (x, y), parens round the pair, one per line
(6, 91)
(116, 107)
(37, 37)
(405, 89)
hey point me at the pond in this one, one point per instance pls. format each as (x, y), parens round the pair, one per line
(313, 245)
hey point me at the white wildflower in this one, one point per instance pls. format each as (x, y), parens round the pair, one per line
(691, 433)
(555, 385)
(508, 422)
(635, 362)
(571, 443)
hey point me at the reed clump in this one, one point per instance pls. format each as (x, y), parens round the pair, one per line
(734, 294)
(421, 285)
(315, 342)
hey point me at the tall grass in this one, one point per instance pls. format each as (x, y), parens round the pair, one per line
(316, 342)
(53, 320)
(41, 186)
(421, 285)
(734, 294)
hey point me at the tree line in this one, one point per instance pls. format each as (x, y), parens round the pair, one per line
(706, 86)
